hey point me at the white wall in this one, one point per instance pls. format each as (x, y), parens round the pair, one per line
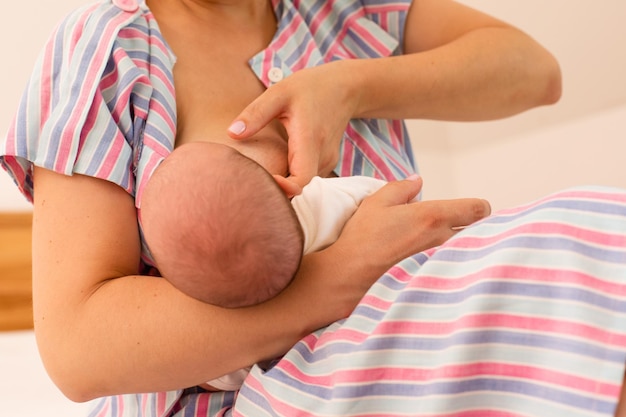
(580, 140)
(520, 168)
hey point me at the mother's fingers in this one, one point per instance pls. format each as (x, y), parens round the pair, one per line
(456, 214)
(396, 192)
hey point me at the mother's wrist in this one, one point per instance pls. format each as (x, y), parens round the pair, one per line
(352, 82)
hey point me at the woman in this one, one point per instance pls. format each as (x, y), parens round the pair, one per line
(332, 77)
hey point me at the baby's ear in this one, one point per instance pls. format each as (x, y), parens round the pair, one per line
(289, 188)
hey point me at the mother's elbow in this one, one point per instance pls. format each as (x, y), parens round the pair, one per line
(550, 74)
(63, 365)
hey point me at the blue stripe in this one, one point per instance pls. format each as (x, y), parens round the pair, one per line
(504, 287)
(562, 247)
(426, 343)
(569, 203)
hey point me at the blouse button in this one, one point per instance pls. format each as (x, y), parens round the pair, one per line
(275, 74)
(129, 6)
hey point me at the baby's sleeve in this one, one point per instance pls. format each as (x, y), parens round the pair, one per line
(77, 114)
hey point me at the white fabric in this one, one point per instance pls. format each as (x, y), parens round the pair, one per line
(326, 204)
(230, 382)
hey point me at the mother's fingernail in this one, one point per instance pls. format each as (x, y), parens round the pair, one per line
(237, 127)
(413, 177)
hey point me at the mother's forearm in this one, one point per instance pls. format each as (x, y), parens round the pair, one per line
(138, 334)
(488, 73)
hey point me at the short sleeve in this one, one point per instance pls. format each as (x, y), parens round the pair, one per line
(390, 16)
(83, 109)
(375, 29)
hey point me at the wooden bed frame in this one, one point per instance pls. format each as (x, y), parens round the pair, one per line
(15, 271)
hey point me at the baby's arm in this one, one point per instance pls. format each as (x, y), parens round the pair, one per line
(326, 204)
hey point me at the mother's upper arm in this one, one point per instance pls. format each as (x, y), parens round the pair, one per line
(433, 23)
(84, 233)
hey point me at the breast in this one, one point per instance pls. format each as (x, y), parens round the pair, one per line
(211, 91)
(268, 147)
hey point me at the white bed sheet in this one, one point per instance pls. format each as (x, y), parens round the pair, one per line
(25, 388)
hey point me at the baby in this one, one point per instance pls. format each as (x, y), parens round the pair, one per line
(221, 229)
(218, 226)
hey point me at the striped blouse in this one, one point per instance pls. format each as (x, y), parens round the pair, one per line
(101, 100)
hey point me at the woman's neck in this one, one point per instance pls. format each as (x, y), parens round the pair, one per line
(244, 11)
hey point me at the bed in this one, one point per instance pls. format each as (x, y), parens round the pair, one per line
(26, 390)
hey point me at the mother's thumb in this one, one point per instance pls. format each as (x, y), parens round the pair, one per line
(400, 192)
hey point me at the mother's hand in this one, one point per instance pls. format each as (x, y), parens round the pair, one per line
(314, 105)
(388, 228)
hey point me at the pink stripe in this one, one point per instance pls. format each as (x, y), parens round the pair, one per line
(347, 161)
(106, 405)
(393, 159)
(415, 375)
(110, 161)
(157, 107)
(373, 42)
(506, 321)
(46, 88)
(155, 145)
(476, 413)
(123, 97)
(161, 403)
(121, 405)
(370, 153)
(202, 405)
(109, 80)
(132, 33)
(145, 398)
(288, 32)
(320, 16)
(19, 175)
(305, 57)
(375, 303)
(343, 334)
(542, 229)
(157, 72)
(266, 64)
(514, 272)
(397, 136)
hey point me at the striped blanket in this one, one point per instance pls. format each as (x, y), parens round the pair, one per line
(522, 314)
